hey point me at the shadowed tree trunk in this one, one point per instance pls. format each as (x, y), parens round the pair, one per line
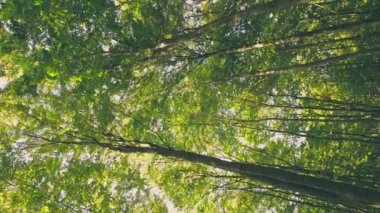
(320, 188)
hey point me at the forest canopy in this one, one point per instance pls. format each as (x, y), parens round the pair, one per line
(189, 105)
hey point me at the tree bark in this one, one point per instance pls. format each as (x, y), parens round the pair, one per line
(334, 59)
(333, 191)
(275, 6)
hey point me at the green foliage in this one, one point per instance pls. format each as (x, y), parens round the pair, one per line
(295, 88)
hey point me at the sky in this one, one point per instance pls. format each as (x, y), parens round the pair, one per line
(3, 82)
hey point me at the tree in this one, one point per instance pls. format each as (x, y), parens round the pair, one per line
(212, 105)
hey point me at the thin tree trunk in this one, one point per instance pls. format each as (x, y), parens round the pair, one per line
(275, 6)
(306, 119)
(305, 35)
(333, 107)
(294, 38)
(322, 62)
(342, 136)
(165, 45)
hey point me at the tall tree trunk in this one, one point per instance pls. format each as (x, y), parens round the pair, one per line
(275, 6)
(298, 37)
(334, 59)
(338, 192)
(165, 45)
